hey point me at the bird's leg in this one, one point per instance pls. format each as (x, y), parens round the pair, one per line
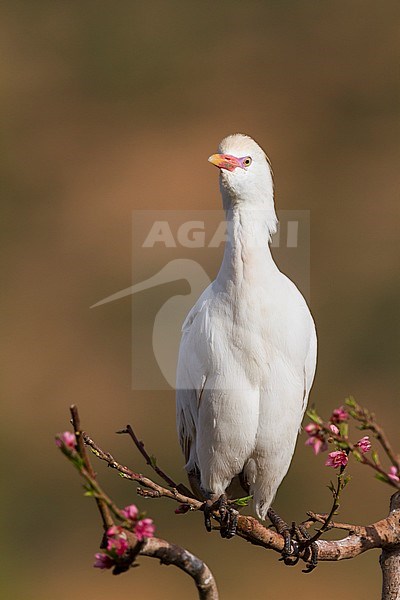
(303, 538)
(228, 516)
(207, 509)
(195, 484)
(297, 542)
(283, 528)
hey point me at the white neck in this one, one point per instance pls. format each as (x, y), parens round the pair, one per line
(247, 256)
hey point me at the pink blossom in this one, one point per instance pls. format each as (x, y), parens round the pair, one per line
(144, 529)
(114, 530)
(364, 444)
(337, 459)
(103, 561)
(334, 429)
(317, 443)
(67, 439)
(393, 474)
(339, 415)
(312, 429)
(117, 541)
(130, 512)
(119, 545)
(315, 438)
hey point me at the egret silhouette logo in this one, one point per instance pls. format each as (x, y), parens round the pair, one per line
(175, 256)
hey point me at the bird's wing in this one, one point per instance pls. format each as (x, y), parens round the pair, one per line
(186, 418)
(191, 376)
(303, 341)
(310, 366)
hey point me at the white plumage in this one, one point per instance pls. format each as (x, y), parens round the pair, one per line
(248, 350)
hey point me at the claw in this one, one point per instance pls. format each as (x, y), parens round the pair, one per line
(229, 522)
(207, 509)
(228, 516)
(305, 543)
(222, 506)
(283, 528)
(313, 562)
(234, 517)
(297, 542)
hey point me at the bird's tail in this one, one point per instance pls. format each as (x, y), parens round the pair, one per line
(263, 489)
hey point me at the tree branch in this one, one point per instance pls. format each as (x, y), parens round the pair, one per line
(126, 473)
(390, 559)
(81, 449)
(322, 518)
(362, 458)
(385, 532)
(150, 460)
(335, 506)
(167, 553)
(170, 554)
(367, 420)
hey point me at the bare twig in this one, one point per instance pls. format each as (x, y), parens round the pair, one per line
(104, 509)
(160, 491)
(150, 460)
(335, 506)
(367, 419)
(322, 518)
(366, 461)
(382, 438)
(368, 422)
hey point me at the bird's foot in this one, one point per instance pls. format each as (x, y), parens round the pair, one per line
(297, 543)
(228, 516)
(289, 548)
(307, 547)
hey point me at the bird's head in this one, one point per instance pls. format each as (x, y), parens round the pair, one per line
(245, 173)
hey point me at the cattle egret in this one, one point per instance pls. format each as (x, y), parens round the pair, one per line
(248, 349)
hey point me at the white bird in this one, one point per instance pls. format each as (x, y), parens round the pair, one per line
(248, 349)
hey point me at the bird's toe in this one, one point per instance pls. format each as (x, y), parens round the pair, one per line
(228, 516)
(207, 510)
(229, 523)
(289, 548)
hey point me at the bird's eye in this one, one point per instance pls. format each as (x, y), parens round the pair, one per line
(247, 161)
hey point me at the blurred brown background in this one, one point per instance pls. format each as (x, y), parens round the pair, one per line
(109, 107)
